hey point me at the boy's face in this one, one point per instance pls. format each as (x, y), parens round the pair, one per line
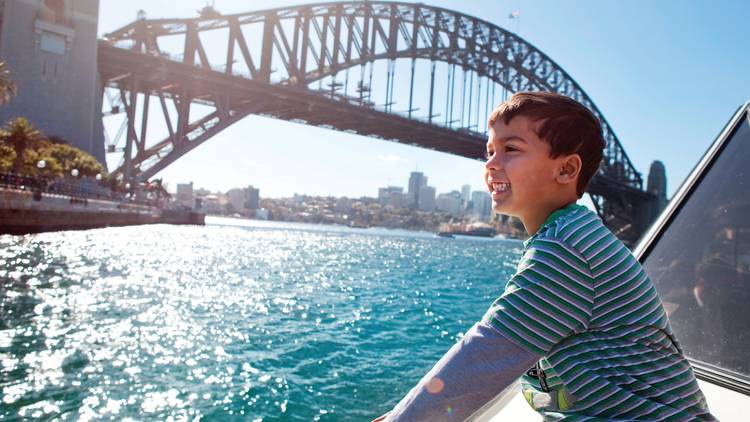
(519, 173)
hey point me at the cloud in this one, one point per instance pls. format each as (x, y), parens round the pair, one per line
(390, 159)
(252, 163)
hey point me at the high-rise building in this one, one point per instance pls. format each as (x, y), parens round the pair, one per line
(386, 195)
(657, 185)
(657, 179)
(481, 203)
(417, 180)
(450, 203)
(237, 199)
(253, 198)
(242, 199)
(400, 200)
(50, 48)
(426, 198)
(465, 195)
(184, 195)
(383, 195)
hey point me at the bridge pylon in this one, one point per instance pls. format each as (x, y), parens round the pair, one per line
(50, 48)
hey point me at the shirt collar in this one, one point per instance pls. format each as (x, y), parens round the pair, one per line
(572, 207)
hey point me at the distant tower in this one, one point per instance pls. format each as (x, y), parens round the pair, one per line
(426, 198)
(657, 182)
(465, 195)
(416, 181)
(50, 48)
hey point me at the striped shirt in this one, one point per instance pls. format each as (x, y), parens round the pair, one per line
(581, 299)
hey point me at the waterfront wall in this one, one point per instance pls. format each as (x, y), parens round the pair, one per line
(23, 211)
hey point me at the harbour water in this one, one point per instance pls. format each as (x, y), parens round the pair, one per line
(237, 320)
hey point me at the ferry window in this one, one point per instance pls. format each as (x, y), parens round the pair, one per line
(701, 263)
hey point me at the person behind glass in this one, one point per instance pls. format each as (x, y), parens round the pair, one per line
(579, 322)
(721, 285)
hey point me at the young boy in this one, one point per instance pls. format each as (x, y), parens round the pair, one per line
(579, 321)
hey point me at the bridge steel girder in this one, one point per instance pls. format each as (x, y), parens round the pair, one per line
(306, 44)
(244, 97)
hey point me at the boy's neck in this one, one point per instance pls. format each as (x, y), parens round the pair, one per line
(532, 223)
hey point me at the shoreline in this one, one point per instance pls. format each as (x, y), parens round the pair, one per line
(211, 219)
(26, 212)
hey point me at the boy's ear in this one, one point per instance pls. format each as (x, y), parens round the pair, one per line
(570, 168)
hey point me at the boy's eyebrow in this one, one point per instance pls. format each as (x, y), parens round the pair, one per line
(513, 137)
(509, 138)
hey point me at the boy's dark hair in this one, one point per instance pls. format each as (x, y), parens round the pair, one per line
(567, 126)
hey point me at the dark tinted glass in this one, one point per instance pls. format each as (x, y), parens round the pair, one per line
(701, 263)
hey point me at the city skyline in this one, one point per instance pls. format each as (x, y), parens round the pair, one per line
(419, 207)
(173, 188)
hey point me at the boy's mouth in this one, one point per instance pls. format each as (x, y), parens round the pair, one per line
(500, 187)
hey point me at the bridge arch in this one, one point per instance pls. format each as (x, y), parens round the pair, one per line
(284, 52)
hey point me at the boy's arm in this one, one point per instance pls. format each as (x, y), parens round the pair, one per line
(548, 299)
(475, 370)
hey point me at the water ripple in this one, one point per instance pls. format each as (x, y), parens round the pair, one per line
(237, 321)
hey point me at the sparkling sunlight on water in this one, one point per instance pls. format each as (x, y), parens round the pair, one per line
(233, 321)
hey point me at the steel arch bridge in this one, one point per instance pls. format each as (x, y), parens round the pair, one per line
(406, 72)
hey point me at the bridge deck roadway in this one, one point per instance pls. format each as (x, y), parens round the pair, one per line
(243, 96)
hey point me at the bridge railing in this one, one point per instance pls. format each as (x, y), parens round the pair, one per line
(77, 188)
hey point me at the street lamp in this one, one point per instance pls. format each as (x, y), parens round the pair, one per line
(74, 172)
(41, 182)
(98, 177)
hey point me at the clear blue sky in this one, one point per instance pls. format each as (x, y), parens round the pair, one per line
(667, 75)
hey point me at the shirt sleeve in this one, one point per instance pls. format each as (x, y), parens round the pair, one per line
(475, 370)
(549, 298)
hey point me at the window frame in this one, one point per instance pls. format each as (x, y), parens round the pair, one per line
(704, 371)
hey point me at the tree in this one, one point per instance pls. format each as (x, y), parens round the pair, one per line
(20, 134)
(70, 157)
(7, 86)
(158, 188)
(60, 157)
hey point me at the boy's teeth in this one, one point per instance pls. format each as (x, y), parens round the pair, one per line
(500, 186)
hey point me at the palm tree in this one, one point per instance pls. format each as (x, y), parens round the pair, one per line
(20, 134)
(159, 189)
(7, 86)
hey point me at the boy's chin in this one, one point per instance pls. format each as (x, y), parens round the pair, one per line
(501, 209)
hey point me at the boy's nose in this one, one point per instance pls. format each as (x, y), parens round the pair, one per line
(493, 163)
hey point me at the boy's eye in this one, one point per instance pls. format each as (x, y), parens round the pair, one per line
(488, 154)
(511, 148)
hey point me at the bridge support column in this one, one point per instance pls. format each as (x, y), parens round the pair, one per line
(267, 48)
(130, 109)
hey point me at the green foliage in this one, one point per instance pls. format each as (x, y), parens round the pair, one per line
(22, 147)
(7, 157)
(68, 158)
(20, 134)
